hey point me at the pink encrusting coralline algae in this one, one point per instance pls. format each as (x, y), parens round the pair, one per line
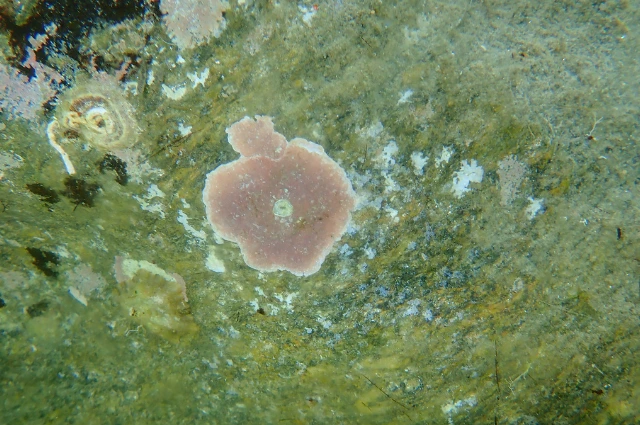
(191, 23)
(284, 203)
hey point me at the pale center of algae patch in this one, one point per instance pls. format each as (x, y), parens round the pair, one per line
(282, 208)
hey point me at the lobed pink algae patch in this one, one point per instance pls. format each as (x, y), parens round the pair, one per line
(256, 138)
(284, 204)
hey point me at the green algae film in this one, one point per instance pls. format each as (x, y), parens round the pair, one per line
(432, 308)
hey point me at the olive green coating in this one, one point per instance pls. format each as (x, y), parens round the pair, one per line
(432, 309)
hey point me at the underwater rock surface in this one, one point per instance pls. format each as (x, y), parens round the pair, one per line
(488, 272)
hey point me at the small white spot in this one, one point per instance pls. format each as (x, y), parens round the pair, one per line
(233, 333)
(326, 323)
(184, 220)
(428, 315)
(307, 14)
(390, 185)
(198, 79)
(469, 172)
(282, 208)
(345, 250)
(393, 214)
(150, 77)
(62, 251)
(445, 156)
(404, 97)
(175, 92)
(370, 253)
(213, 263)
(372, 131)
(131, 267)
(412, 308)
(184, 130)
(419, 161)
(287, 299)
(273, 310)
(452, 408)
(75, 293)
(386, 158)
(131, 87)
(535, 206)
(154, 192)
(145, 200)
